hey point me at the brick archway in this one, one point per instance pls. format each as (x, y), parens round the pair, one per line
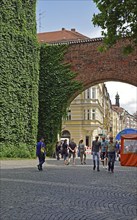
(94, 67)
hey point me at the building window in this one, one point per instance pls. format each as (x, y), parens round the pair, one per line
(88, 93)
(65, 134)
(88, 114)
(93, 93)
(93, 114)
(84, 114)
(69, 115)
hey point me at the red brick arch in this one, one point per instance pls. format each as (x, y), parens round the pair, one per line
(94, 67)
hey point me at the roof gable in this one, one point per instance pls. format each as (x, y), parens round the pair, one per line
(60, 36)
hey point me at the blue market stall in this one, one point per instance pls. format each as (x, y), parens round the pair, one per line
(125, 131)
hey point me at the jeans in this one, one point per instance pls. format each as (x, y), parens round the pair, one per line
(96, 154)
(41, 158)
(111, 160)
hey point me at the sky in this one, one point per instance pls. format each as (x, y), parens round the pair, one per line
(53, 15)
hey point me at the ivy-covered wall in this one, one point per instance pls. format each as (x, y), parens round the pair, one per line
(56, 87)
(19, 74)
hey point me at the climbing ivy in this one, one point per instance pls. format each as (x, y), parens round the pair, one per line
(19, 75)
(56, 87)
(20, 80)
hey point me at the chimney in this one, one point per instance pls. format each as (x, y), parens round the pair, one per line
(73, 29)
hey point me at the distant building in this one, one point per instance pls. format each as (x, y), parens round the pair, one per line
(89, 115)
(125, 120)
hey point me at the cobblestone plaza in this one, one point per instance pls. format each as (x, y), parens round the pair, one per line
(62, 192)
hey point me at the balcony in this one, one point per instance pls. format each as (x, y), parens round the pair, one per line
(85, 101)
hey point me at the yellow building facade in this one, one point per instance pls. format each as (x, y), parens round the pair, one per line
(89, 115)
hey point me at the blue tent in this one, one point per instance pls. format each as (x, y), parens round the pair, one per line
(125, 131)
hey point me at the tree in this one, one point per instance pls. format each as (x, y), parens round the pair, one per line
(118, 19)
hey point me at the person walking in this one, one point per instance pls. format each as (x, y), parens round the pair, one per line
(65, 152)
(117, 151)
(40, 153)
(96, 146)
(82, 150)
(72, 150)
(103, 154)
(58, 149)
(111, 150)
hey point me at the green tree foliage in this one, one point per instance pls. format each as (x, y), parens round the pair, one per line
(56, 87)
(117, 18)
(19, 75)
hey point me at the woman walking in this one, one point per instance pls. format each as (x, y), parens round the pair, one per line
(111, 149)
(65, 152)
(82, 150)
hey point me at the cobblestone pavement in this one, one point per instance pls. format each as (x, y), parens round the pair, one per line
(62, 192)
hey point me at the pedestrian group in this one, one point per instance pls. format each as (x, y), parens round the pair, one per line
(104, 151)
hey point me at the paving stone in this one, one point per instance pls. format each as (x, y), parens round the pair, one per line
(62, 192)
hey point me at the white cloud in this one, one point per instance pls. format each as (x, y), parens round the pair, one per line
(94, 33)
(127, 93)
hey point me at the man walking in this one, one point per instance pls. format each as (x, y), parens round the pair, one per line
(96, 145)
(40, 153)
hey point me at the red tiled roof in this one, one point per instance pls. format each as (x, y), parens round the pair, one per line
(59, 36)
(117, 108)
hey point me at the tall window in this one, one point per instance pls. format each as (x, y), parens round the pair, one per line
(93, 93)
(84, 114)
(88, 114)
(88, 93)
(69, 115)
(93, 114)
